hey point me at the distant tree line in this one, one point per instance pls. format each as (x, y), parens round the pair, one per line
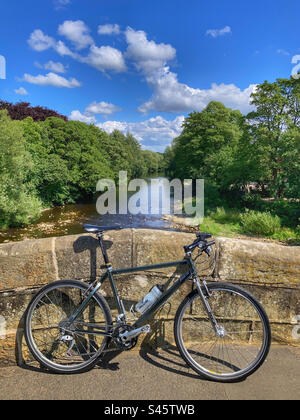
(48, 160)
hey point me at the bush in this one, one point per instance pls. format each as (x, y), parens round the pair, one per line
(258, 223)
(287, 210)
(19, 209)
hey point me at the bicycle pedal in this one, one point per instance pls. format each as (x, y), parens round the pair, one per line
(147, 329)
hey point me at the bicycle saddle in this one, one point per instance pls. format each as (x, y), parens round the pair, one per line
(98, 229)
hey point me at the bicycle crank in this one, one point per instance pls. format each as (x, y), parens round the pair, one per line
(129, 335)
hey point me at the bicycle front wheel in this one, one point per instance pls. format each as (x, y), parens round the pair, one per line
(57, 344)
(243, 339)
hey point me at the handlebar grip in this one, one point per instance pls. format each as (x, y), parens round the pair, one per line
(202, 244)
(191, 247)
(211, 243)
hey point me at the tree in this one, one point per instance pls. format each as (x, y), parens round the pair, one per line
(273, 129)
(207, 145)
(22, 110)
(154, 162)
(81, 147)
(18, 202)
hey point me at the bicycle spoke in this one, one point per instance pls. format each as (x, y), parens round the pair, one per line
(236, 346)
(58, 341)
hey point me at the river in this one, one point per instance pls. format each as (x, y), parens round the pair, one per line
(69, 219)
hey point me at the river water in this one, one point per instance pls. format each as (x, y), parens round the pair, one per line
(69, 219)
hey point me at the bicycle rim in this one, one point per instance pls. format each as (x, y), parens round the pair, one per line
(57, 345)
(244, 339)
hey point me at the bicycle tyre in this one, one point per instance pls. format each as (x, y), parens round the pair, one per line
(73, 285)
(254, 336)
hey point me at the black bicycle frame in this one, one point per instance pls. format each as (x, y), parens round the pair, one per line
(163, 298)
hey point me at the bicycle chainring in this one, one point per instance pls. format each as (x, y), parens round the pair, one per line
(121, 329)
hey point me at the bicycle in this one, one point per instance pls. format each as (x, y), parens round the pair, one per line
(221, 331)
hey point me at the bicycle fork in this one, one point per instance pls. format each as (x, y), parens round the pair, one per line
(220, 331)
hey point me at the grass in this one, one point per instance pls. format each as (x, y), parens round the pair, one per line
(233, 223)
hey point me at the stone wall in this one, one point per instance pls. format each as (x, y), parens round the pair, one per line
(270, 271)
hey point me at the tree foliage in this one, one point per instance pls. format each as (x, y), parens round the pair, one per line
(234, 153)
(54, 161)
(222, 146)
(274, 129)
(18, 201)
(22, 110)
(207, 144)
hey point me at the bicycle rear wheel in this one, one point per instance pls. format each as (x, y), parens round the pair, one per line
(58, 345)
(244, 336)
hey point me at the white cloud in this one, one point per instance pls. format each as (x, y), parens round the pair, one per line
(172, 96)
(60, 4)
(105, 58)
(102, 108)
(147, 55)
(63, 50)
(282, 52)
(78, 116)
(219, 32)
(110, 126)
(169, 95)
(21, 91)
(151, 60)
(55, 67)
(51, 79)
(154, 133)
(38, 41)
(108, 29)
(95, 108)
(77, 32)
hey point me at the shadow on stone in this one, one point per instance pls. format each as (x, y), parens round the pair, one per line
(84, 243)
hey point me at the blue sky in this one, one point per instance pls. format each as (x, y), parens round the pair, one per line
(143, 66)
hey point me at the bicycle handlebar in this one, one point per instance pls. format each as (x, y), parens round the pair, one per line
(200, 242)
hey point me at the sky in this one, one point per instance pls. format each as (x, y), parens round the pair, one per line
(143, 66)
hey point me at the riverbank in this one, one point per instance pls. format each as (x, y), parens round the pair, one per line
(68, 219)
(219, 221)
(226, 226)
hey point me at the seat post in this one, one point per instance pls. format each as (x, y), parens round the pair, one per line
(105, 256)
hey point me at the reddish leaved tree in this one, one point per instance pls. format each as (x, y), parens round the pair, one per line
(22, 110)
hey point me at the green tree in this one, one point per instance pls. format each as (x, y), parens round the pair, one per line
(274, 132)
(49, 176)
(207, 146)
(82, 149)
(154, 162)
(18, 202)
